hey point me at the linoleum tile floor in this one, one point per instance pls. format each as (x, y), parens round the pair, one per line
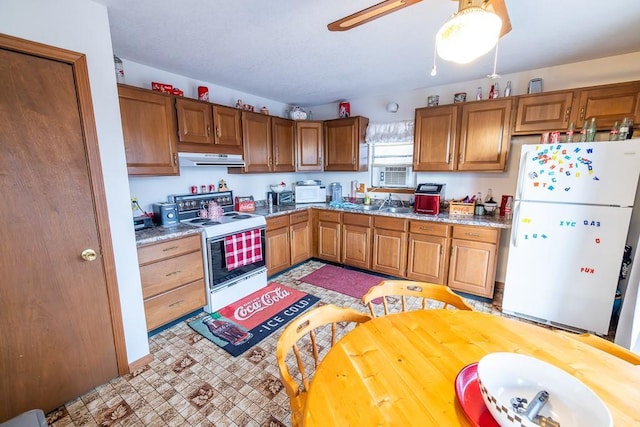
(193, 382)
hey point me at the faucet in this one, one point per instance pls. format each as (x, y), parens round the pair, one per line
(387, 200)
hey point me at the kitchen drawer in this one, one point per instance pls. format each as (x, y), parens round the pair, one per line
(329, 216)
(277, 222)
(170, 248)
(171, 305)
(430, 228)
(356, 219)
(162, 276)
(388, 223)
(298, 217)
(477, 234)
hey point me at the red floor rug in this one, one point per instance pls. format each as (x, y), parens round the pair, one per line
(241, 325)
(345, 281)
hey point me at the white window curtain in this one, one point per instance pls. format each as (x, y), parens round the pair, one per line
(391, 132)
(391, 143)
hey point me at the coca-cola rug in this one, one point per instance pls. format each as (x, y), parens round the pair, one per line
(241, 325)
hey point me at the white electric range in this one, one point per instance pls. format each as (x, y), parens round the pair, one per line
(224, 285)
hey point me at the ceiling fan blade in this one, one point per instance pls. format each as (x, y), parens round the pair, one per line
(500, 8)
(369, 14)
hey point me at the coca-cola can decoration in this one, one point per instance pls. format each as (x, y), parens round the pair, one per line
(344, 110)
(194, 189)
(203, 93)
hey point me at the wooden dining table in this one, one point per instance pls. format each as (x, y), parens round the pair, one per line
(400, 369)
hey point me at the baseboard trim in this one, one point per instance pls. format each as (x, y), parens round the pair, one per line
(140, 363)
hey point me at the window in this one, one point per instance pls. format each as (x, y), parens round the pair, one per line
(391, 149)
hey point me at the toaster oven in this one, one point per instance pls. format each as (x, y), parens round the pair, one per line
(427, 198)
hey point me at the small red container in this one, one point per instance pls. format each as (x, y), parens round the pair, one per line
(344, 110)
(212, 188)
(203, 93)
(194, 189)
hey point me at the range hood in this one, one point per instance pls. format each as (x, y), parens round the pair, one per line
(205, 159)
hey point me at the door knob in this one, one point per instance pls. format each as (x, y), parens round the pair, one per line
(89, 255)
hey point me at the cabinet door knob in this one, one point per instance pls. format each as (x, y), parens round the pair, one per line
(582, 114)
(566, 114)
(89, 255)
(208, 130)
(217, 131)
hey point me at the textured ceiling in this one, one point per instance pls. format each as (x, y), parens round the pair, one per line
(282, 50)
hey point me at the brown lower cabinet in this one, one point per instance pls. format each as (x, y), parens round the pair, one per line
(472, 267)
(356, 240)
(172, 275)
(463, 257)
(288, 241)
(428, 253)
(389, 245)
(329, 232)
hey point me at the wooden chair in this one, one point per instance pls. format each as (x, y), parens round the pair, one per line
(604, 345)
(308, 323)
(425, 291)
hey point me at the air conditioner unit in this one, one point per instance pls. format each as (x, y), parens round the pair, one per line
(393, 176)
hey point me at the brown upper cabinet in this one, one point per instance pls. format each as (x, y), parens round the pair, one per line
(473, 136)
(208, 128)
(308, 145)
(555, 110)
(268, 144)
(149, 131)
(345, 148)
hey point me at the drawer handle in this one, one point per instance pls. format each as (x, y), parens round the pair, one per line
(472, 234)
(426, 228)
(169, 249)
(176, 303)
(173, 273)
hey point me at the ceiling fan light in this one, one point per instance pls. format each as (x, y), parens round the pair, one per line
(471, 33)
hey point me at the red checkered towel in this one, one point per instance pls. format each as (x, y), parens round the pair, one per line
(243, 249)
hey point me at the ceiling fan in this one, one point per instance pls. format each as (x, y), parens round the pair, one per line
(388, 6)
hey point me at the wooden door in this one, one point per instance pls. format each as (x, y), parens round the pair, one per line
(256, 135)
(194, 125)
(309, 145)
(283, 139)
(61, 329)
(427, 258)
(149, 130)
(344, 145)
(278, 256)
(485, 135)
(329, 241)
(356, 240)
(608, 104)
(300, 236)
(435, 139)
(389, 252)
(543, 112)
(228, 130)
(472, 267)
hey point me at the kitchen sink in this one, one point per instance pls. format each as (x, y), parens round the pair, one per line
(369, 207)
(396, 210)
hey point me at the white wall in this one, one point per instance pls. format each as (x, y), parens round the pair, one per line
(83, 26)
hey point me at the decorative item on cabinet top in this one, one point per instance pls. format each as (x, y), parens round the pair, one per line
(297, 113)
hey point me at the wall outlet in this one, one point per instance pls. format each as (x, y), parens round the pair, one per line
(134, 204)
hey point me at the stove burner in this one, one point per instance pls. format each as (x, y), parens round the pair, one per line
(231, 214)
(199, 220)
(211, 223)
(238, 216)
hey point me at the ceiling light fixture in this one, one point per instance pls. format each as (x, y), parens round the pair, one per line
(469, 34)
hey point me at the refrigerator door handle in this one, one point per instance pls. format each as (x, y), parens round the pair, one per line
(521, 171)
(515, 223)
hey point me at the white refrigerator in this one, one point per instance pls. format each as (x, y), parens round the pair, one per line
(571, 215)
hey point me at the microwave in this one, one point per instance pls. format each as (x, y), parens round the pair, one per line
(311, 194)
